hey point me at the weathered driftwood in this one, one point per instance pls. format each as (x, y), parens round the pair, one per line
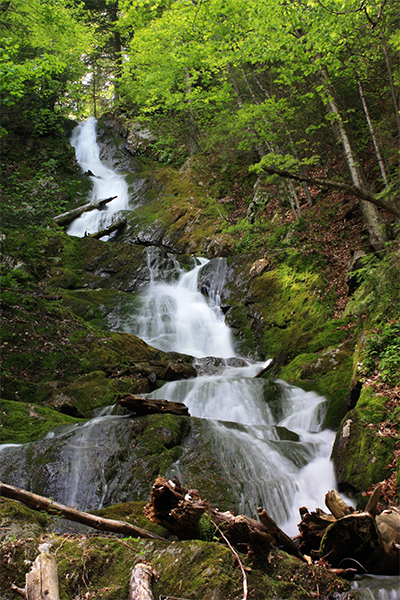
(312, 528)
(184, 514)
(70, 215)
(282, 540)
(336, 505)
(41, 583)
(41, 503)
(363, 541)
(107, 230)
(140, 582)
(146, 406)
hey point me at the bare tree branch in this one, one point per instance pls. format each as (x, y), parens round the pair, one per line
(360, 193)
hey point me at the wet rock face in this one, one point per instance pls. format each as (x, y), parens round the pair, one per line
(114, 149)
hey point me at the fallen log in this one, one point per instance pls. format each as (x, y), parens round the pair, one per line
(70, 215)
(312, 528)
(184, 514)
(336, 505)
(283, 540)
(54, 508)
(41, 583)
(140, 582)
(146, 406)
(356, 541)
(107, 230)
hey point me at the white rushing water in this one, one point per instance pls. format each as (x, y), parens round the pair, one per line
(106, 183)
(279, 474)
(275, 458)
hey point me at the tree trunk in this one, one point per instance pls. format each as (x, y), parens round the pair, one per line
(146, 406)
(373, 221)
(361, 194)
(140, 582)
(107, 230)
(70, 215)
(391, 84)
(372, 132)
(354, 540)
(359, 541)
(41, 583)
(40, 503)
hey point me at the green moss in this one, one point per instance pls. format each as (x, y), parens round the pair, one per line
(160, 444)
(133, 513)
(362, 455)
(328, 373)
(101, 566)
(371, 406)
(21, 423)
(17, 520)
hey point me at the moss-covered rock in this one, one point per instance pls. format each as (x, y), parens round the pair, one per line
(21, 422)
(329, 373)
(17, 521)
(99, 567)
(360, 453)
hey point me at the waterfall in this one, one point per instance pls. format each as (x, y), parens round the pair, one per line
(106, 183)
(176, 317)
(266, 438)
(274, 454)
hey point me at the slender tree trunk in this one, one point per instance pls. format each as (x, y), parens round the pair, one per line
(117, 47)
(369, 211)
(391, 84)
(192, 119)
(371, 129)
(94, 91)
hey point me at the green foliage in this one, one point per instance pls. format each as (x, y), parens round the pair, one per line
(42, 45)
(207, 529)
(382, 351)
(34, 200)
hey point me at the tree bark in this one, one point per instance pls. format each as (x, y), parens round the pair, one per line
(146, 406)
(41, 503)
(41, 583)
(140, 582)
(356, 541)
(70, 215)
(184, 514)
(283, 540)
(370, 213)
(372, 132)
(391, 84)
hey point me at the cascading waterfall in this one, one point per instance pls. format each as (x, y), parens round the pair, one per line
(106, 183)
(268, 436)
(178, 318)
(268, 453)
(270, 445)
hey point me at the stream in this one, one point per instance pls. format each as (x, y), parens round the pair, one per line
(266, 438)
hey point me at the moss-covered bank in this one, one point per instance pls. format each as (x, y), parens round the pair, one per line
(94, 566)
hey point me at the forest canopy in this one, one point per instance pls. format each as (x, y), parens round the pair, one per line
(286, 82)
